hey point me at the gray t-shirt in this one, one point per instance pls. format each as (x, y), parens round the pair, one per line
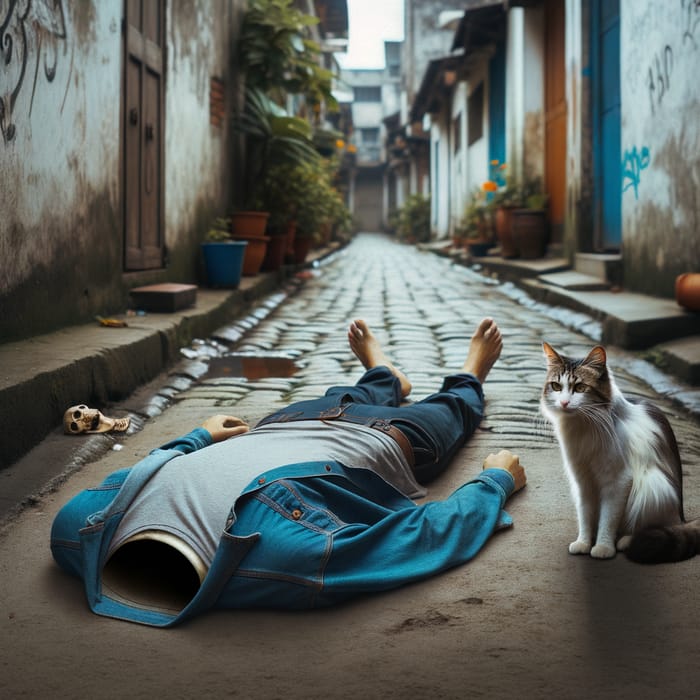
(192, 495)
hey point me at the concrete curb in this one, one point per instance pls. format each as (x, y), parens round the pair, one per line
(41, 377)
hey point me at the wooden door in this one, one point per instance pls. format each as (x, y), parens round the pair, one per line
(555, 117)
(144, 42)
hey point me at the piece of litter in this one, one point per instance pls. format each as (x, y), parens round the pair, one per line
(116, 447)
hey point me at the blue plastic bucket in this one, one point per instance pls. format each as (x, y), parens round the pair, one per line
(224, 262)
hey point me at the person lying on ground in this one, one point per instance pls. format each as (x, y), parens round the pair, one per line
(309, 508)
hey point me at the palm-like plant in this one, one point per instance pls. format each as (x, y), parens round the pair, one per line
(274, 139)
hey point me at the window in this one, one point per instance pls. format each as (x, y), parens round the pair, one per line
(368, 94)
(475, 117)
(369, 137)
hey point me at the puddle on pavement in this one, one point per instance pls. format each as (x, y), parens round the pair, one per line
(250, 367)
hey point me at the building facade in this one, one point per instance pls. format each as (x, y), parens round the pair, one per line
(597, 99)
(117, 147)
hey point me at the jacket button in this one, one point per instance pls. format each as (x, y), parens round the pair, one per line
(261, 480)
(296, 514)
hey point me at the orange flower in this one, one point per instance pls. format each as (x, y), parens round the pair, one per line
(489, 186)
(340, 143)
(494, 162)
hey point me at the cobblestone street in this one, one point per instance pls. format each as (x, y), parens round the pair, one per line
(525, 619)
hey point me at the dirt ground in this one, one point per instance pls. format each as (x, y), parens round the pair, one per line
(524, 619)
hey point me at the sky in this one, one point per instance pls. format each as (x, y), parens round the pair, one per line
(371, 22)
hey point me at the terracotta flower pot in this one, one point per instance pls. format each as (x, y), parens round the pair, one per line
(246, 224)
(254, 253)
(504, 232)
(688, 290)
(276, 250)
(302, 246)
(530, 232)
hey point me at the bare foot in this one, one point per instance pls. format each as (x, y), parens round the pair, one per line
(484, 349)
(369, 352)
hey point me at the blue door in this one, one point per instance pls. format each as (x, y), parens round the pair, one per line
(497, 105)
(607, 153)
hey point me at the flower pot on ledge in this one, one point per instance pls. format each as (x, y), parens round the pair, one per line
(687, 291)
(223, 261)
(530, 232)
(254, 253)
(249, 223)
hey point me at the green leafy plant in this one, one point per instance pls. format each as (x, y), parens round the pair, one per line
(278, 56)
(318, 201)
(476, 223)
(502, 190)
(413, 219)
(274, 139)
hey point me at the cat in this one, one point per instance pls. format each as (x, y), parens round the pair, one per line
(622, 461)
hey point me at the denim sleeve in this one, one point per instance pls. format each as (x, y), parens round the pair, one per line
(193, 441)
(416, 542)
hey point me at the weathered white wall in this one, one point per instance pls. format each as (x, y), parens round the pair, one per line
(660, 141)
(197, 154)
(59, 153)
(61, 227)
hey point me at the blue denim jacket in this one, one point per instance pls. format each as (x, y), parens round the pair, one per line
(300, 536)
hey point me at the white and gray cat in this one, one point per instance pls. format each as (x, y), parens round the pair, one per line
(622, 461)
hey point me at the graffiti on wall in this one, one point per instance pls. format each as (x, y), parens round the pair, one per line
(659, 76)
(30, 32)
(691, 21)
(633, 162)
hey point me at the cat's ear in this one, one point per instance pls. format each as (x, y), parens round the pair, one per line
(596, 357)
(553, 357)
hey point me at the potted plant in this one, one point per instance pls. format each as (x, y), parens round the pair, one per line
(273, 140)
(530, 225)
(475, 227)
(314, 194)
(276, 57)
(413, 219)
(223, 257)
(503, 197)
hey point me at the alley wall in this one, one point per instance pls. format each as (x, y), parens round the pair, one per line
(62, 117)
(660, 95)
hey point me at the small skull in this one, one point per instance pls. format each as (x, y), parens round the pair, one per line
(81, 419)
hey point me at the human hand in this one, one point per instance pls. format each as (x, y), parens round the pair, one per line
(223, 427)
(510, 463)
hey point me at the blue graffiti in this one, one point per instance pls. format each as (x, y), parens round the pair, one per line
(633, 162)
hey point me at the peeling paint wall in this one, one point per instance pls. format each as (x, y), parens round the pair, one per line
(525, 92)
(199, 157)
(61, 228)
(660, 94)
(59, 155)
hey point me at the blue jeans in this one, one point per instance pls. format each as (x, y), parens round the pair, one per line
(436, 426)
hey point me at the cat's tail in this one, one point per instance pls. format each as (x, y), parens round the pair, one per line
(665, 544)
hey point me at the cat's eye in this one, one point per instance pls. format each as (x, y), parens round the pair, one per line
(556, 386)
(579, 388)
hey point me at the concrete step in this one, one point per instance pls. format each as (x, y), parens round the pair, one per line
(575, 281)
(604, 266)
(629, 320)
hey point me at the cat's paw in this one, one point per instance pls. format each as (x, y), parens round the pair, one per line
(623, 543)
(603, 551)
(579, 547)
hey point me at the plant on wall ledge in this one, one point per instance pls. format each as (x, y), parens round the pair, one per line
(274, 140)
(413, 219)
